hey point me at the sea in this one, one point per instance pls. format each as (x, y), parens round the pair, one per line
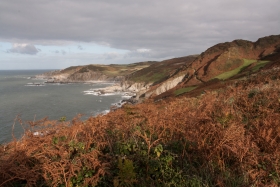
(29, 99)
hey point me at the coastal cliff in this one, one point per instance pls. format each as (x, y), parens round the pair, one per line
(222, 61)
(94, 72)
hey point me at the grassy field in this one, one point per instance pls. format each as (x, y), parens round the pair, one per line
(259, 65)
(151, 77)
(112, 69)
(231, 73)
(247, 62)
(160, 71)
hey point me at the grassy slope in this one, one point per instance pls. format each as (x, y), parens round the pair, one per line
(259, 65)
(246, 63)
(111, 70)
(184, 90)
(160, 71)
(242, 72)
(150, 77)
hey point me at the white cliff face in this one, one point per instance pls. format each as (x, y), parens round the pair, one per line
(165, 86)
(61, 76)
(143, 88)
(135, 87)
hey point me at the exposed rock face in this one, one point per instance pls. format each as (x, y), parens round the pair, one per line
(135, 87)
(158, 77)
(61, 77)
(165, 86)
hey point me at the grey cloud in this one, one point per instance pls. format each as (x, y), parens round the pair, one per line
(80, 47)
(165, 27)
(58, 52)
(63, 52)
(24, 49)
(139, 53)
(109, 56)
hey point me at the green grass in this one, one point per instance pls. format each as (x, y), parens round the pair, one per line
(150, 78)
(111, 70)
(259, 65)
(246, 63)
(184, 90)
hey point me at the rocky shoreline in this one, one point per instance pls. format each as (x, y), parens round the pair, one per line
(113, 88)
(130, 91)
(129, 96)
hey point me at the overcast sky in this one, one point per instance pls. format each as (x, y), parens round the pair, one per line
(55, 34)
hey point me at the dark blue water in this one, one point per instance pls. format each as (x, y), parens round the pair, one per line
(18, 98)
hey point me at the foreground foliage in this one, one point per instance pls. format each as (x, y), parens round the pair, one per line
(227, 137)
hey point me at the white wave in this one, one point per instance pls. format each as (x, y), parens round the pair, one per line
(126, 96)
(105, 112)
(91, 92)
(99, 92)
(34, 84)
(109, 94)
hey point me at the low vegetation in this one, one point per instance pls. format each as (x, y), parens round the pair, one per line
(260, 64)
(227, 137)
(184, 90)
(111, 70)
(160, 71)
(150, 78)
(246, 63)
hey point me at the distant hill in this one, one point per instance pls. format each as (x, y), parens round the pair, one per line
(229, 56)
(225, 61)
(160, 71)
(222, 62)
(95, 72)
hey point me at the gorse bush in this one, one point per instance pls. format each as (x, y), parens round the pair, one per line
(225, 138)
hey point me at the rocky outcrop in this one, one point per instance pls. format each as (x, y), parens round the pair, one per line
(165, 86)
(135, 86)
(158, 77)
(169, 84)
